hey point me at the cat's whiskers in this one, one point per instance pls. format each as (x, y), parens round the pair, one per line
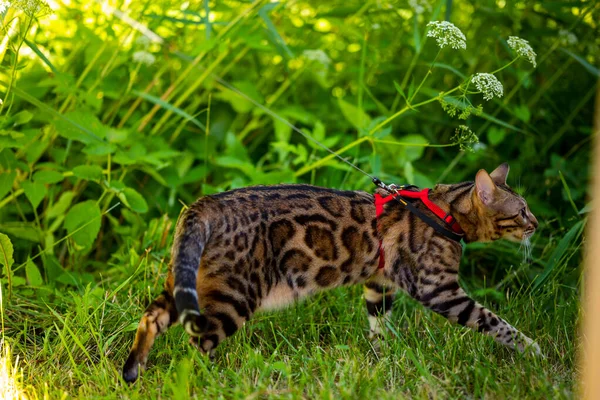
(525, 247)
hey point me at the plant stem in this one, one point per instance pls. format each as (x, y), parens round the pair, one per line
(425, 77)
(507, 65)
(406, 108)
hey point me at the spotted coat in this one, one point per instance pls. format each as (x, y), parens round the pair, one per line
(259, 248)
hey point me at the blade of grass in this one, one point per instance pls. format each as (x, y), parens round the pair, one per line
(560, 250)
(41, 55)
(170, 107)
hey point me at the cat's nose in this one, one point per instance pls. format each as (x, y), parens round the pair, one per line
(533, 221)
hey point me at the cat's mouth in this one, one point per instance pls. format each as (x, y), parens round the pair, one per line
(528, 232)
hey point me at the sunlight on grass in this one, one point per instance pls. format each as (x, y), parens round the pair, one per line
(11, 385)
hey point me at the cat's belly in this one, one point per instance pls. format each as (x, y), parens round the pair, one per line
(281, 296)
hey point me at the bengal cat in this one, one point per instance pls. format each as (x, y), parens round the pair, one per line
(259, 248)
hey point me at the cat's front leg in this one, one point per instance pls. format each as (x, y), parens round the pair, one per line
(447, 298)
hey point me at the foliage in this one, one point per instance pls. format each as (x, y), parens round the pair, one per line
(114, 115)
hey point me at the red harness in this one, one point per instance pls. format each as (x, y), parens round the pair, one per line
(423, 195)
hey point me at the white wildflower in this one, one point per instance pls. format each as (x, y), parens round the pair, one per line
(523, 49)
(419, 6)
(318, 56)
(144, 57)
(489, 85)
(375, 26)
(465, 138)
(446, 34)
(4, 5)
(143, 41)
(567, 38)
(31, 7)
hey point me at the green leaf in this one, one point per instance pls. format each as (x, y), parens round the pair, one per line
(70, 127)
(21, 230)
(399, 89)
(133, 200)
(522, 112)
(409, 172)
(241, 104)
(34, 278)
(412, 153)
(357, 117)
(283, 131)
(6, 258)
(44, 107)
(233, 162)
(22, 117)
(6, 251)
(411, 87)
(11, 139)
(496, 135)
(100, 149)
(61, 206)
(35, 192)
(586, 209)
(6, 182)
(88, 172)
(83, 223)
(48, 177)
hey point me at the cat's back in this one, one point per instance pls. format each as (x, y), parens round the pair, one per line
(298, 202)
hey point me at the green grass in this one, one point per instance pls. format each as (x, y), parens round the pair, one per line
(76, 343)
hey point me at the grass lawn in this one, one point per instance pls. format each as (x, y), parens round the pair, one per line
(316, 349)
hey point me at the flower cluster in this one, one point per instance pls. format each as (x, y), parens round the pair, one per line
(567, 38)
(465, 138)
(489, 85)
(4, 5)
(446, 34)
(317, 55)
(31, 7)
(144, 57)
(523, 49)
(456, 108)
(143, 41)
(419, 6)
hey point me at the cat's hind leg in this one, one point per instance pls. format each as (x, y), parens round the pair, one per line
(159, 315)
(379, 298)
(226, 306)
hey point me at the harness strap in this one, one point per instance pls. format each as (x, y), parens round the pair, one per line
(454, 232)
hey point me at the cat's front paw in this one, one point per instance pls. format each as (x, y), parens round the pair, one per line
(526, 344)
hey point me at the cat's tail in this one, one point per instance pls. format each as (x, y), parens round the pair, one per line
(193, 230)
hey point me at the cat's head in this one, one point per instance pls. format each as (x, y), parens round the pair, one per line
(507, 213)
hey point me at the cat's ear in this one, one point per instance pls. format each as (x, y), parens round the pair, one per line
(499, 174)
(484, 187)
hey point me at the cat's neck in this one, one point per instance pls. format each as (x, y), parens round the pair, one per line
(460, 200)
